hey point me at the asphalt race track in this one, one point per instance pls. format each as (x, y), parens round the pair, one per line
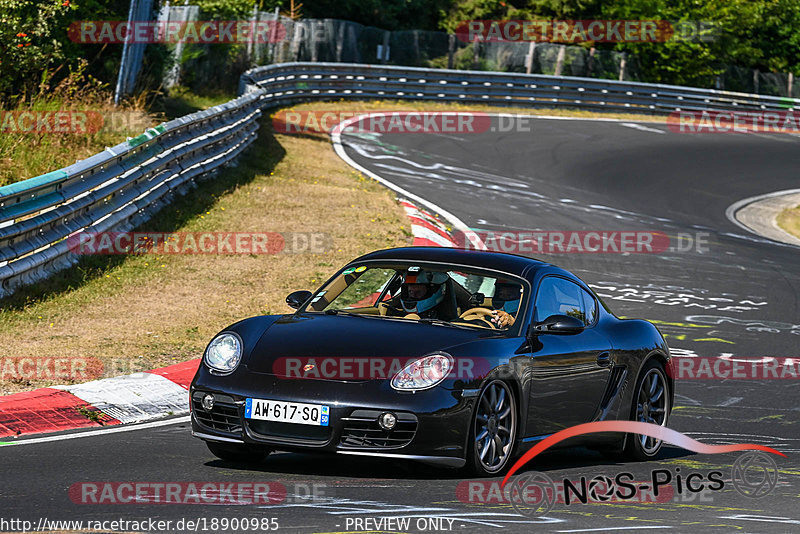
(732, 294)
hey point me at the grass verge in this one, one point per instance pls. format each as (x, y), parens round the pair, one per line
(25, 154)
(789, 220)
(27, 149)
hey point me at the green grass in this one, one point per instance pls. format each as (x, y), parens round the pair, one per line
(26, 155)
(181, 101)
(789, 220)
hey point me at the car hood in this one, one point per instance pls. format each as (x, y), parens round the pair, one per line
(320, 336)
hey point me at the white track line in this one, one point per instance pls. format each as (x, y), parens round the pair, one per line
(730, 212)
(606, 529)
(336, 139)
(110, 430)
(639, 127)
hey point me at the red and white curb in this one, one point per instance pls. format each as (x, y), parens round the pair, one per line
(143, 396)
(427, 229)
(108, 401)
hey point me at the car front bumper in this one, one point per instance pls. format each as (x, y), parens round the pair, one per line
(432, 424)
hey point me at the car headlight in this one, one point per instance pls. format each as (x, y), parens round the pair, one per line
(423, 373)
(224, 353)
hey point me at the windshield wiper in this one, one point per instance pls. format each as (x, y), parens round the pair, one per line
(345, 312)
(442, 322)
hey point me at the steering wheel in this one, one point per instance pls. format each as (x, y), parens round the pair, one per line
(478, 313)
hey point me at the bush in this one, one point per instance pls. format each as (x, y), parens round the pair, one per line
(31, 43)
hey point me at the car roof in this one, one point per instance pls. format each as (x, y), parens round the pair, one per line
(510, 263)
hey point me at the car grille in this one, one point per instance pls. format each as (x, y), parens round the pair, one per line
(361, 431)
(223, 417)
(290, 432)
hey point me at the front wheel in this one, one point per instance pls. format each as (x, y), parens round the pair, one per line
(493, 430)
(650, 404)
(238, 453)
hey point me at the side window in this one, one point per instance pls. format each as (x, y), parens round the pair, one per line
(589, 307)
(557, 296)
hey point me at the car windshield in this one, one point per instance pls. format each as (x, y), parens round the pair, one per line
(436, 294)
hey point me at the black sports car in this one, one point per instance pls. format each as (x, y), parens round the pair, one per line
(446, 356)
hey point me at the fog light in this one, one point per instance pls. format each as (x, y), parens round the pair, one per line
(387, 421)
(208, 402)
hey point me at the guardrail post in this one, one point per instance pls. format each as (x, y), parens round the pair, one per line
(562, 53)
(529, 57)
(385, 56)
(253, 20)
(315, 26)
(340, 42)
(451, 50)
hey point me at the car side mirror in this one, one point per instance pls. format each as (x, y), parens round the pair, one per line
(298, 298)
(558, 324)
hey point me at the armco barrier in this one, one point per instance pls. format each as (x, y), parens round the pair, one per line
(314, 81)
(120, 187)
(116, 189)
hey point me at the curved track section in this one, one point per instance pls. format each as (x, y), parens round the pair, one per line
(734, 297)
(715, 292)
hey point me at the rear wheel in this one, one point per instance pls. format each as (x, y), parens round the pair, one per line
(234, 452)
(650, 404)
(493, 430)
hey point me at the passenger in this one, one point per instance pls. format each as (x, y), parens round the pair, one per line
(505, 301)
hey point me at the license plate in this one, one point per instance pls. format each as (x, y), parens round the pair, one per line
(287, 412)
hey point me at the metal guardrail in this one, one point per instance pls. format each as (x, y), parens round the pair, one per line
(314, 81)
(115, 189)
(120, 187)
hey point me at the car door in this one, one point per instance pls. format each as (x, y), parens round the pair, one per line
(568, 372)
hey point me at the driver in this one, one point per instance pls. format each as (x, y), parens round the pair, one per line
(505, 302)
(422, 293)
